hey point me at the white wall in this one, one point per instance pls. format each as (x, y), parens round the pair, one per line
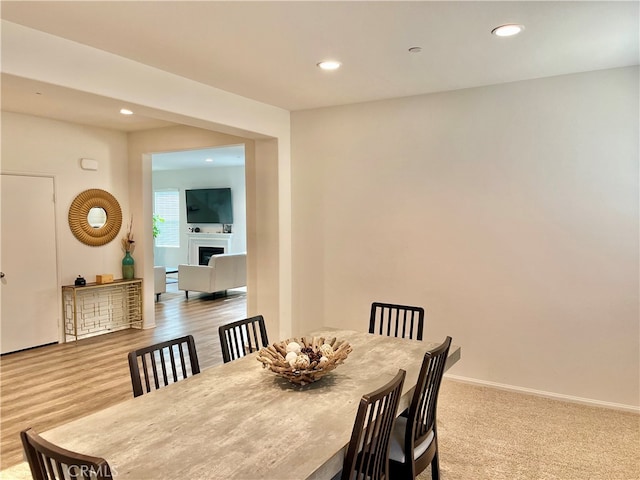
(218, 177)
(509, 212)
(35, 145)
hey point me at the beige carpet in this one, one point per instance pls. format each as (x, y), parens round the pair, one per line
(486, 433)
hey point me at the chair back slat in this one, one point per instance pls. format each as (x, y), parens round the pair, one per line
(50, 462)
(242, 337)
(367, 455)
(53, 468)
(393, 320)
(163, 363)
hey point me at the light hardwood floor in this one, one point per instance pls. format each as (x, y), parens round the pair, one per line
(52, 385)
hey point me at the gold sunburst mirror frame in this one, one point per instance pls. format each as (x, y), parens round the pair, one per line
(79, 213)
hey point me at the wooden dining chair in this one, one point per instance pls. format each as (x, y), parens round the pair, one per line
(396, 320)
(414, 443)
(240, 338)
(51, 462)
(162, 364)
(367, 455)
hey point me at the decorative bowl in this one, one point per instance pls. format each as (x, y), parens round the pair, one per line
(305, 360)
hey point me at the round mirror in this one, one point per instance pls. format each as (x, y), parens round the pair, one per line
(95, 217)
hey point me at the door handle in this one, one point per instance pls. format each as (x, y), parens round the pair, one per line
(1, 274)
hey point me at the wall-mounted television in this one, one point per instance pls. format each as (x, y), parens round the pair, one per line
(209, 205)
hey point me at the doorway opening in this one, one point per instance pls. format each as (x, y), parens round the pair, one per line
(173, 174)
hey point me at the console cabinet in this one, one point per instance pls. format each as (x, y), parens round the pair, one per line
(95, 308)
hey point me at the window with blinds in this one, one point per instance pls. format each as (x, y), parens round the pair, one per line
(166, 205)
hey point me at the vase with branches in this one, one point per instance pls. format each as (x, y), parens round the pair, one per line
(128, 245)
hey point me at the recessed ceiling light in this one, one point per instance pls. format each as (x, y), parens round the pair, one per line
(329, 65)
(209, 160)
(507, 30)
(125, 111)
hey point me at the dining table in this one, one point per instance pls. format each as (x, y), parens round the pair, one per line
(239, 420)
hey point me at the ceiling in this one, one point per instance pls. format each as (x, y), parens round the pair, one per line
(45, 100)
(268, 51)
(227, 156)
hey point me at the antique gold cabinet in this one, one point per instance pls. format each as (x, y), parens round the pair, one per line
(94, 308)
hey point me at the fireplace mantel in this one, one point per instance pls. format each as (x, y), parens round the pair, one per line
(197, 240)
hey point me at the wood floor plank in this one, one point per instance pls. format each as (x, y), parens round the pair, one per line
(55, 384)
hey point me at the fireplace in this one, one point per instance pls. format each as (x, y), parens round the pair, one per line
(212, 240)
(205, 253)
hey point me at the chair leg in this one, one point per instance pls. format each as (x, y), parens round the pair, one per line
(157, 297)
(186, 293)
(435, 467)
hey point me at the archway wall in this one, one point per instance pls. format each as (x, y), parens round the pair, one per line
(39, 56)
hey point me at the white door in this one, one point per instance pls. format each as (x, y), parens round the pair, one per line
(29, 284)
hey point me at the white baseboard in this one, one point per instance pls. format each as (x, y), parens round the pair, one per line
(541, 393)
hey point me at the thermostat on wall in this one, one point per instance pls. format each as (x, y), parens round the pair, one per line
(89, 164)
